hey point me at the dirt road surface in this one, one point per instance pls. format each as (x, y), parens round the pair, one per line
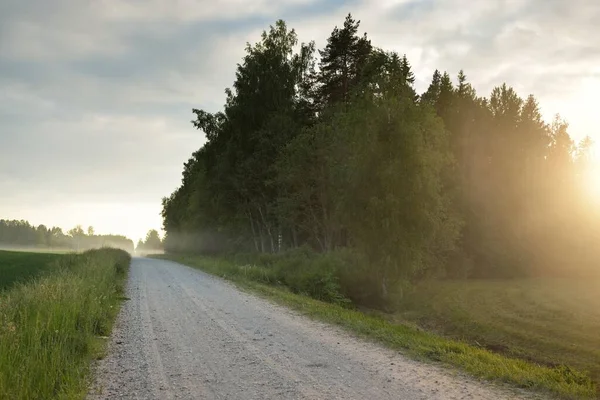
(187, 335)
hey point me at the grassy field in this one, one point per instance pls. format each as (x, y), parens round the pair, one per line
(549, 321)
(53, 250)
(51, 325)
(16, 266)
(553, 381)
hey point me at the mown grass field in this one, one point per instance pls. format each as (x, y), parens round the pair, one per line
(17, 266)
(548, 321)
(51, 324)
(553, 381)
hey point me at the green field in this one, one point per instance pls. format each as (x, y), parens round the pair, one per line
(17, 266)
(51, 326)
(548, 321)
(400, 332)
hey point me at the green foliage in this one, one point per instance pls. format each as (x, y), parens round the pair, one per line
(19, 267)
(227, 190)
(372, 172)
(397, 212)
(49, 327)
(316, 277)
(348, 156)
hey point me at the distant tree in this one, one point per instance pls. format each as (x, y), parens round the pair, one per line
(77, 231)
(152, 241)
(22, 233)
(57, 238)
(140, 246)
(90, 231)
(41, 236)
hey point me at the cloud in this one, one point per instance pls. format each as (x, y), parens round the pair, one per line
(192, 10)
(96, 97)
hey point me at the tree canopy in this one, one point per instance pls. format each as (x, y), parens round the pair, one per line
(335, 149)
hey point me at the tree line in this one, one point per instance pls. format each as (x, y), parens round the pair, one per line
(152, 243)
(20, 233)
(334, 150)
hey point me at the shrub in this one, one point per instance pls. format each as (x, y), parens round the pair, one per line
(301, 270)
(315, 276)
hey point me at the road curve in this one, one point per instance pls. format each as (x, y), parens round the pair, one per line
(184, 334)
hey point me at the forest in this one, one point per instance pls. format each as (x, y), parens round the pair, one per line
(21, 234)
(332, 151)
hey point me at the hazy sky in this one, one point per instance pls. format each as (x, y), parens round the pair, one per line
(96, 96)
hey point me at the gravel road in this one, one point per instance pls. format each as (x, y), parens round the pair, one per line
(187, 335)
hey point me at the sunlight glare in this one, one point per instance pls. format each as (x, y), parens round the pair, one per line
(592, 181)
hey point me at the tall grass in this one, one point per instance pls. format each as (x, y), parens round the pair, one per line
(49, 326)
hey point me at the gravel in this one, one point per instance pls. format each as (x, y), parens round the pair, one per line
(184, 334)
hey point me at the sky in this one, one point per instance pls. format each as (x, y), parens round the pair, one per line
(96, 96)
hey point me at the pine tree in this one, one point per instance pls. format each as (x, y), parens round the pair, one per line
(342, 62)
(406, 69)
(433, 91)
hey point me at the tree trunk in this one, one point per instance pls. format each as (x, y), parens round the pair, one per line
(279, 239)
(262, 240)
(294, 237)
(384, 288)
(271, 240)
(267, 226)
(254, 238)
(318, 233)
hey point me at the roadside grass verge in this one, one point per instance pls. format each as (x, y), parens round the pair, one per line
(50, 326)
(17, 266)
(558, 382)
(548, 321)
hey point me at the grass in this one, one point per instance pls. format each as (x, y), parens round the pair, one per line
(548, 321)
(52, 250)
(16, 266)
(558, 381)
(51, 324)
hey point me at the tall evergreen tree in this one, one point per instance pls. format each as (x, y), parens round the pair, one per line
(343, 61)
(433, 91)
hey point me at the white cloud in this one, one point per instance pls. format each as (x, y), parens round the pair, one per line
(97, 96)
(190, 10)
(17, 96)
(54, 31)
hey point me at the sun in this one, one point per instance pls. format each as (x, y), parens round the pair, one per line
(592, 180)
